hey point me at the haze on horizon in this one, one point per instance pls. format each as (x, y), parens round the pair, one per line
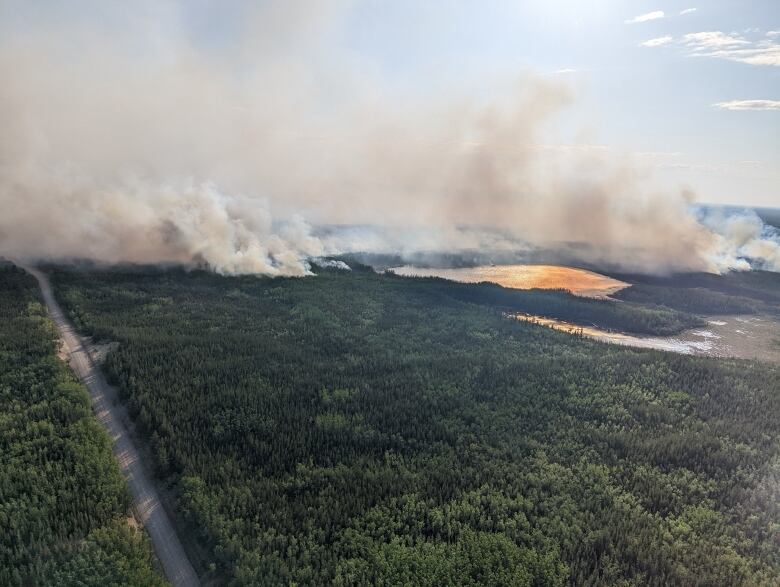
(180, 131)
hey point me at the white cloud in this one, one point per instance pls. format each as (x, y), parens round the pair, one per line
(761, 53)
(713, 40)
(729, 46)
(566, 70)
(687, 11)
(732, 47)
(645, 17)
(767, 55)
(773, 33)
(749, 105)
(658, 42)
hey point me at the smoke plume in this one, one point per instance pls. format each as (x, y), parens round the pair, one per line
(143, 146)
(743, 240)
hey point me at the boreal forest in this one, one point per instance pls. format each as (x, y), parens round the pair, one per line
(63, 503)
(357, 428)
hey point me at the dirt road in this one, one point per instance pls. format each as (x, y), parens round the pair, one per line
(146, 501)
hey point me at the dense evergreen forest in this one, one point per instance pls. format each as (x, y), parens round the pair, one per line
(637, 318)
(355, 429)
(739, 292)
(63, 502)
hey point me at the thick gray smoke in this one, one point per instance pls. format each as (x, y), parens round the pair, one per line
(142, 146)
(744, 241)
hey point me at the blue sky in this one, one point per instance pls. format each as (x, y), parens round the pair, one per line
(657, 101)
(645, 84)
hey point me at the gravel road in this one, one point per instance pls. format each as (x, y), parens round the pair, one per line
(146, 501)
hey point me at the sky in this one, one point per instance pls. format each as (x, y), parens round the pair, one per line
(692, 89)
(648, 78)
(179, 130)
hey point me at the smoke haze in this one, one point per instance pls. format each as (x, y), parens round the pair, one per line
(142, 147)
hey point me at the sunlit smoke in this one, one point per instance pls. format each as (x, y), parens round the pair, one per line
(143, 147)
(743, 240)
